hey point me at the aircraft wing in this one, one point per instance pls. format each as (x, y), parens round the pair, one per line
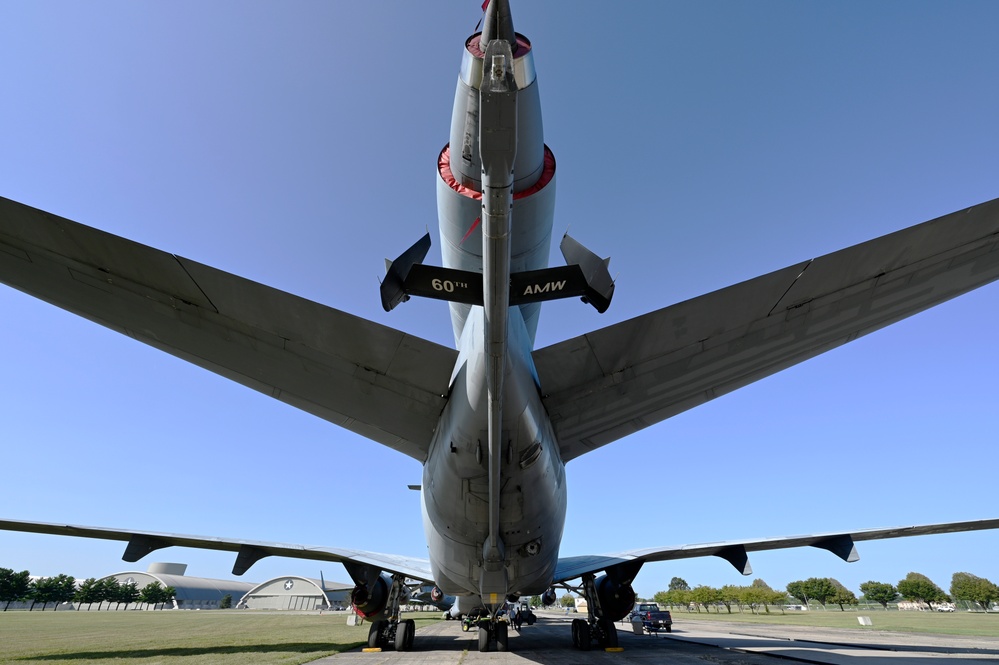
(736, 552)
(615, 381)
(141, 543)
(371, 379)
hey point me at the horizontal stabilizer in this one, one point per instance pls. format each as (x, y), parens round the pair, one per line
(371, 379)
(609, 383)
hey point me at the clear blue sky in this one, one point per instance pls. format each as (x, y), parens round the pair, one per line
(698, 144)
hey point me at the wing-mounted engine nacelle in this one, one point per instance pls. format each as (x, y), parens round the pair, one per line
(616, 600)
(436, 594)
(370, 600)
(549, 597)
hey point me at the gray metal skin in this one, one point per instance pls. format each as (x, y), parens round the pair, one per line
(494, 495)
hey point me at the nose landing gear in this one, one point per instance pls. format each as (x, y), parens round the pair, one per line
(491, 631)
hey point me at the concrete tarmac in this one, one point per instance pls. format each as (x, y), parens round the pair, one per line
(548, 643)
(836, 646)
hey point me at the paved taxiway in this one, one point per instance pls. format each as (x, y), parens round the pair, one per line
(547, 643)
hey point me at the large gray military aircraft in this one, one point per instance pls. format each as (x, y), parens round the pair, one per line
(494, 421)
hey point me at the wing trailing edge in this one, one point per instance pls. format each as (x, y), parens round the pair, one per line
(248, 552)
(736, 552)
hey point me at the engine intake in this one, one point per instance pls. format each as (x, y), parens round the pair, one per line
(549, 597)
(616, 600)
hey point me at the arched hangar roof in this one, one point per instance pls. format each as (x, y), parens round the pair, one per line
(188, 588)
(292, 585)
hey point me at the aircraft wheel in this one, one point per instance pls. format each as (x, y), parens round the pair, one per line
(483, 638)
(411, 633)
(404, 635)
(575, 632)
(583, 635)
(502, 636)
(375, 633)
(609, 640)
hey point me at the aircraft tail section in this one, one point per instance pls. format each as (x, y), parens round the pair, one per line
(612, 382)
(373, 380)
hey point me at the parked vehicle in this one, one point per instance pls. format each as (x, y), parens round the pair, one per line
(653, 619)
(527, 614)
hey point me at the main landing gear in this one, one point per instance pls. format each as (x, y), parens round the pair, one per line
(393, 631)
(595, 627)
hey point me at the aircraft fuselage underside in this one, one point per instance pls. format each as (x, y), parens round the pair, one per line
(495, 204)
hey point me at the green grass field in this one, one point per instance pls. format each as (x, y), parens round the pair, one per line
(178, 638)
(200, 638)
(955, 623)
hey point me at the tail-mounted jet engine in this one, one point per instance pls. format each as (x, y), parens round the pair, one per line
(616, 599)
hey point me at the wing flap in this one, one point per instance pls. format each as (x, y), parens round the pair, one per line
(371, 379)
(612, 382)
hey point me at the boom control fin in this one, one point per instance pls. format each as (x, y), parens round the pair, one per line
(585, 277)
(393, 290)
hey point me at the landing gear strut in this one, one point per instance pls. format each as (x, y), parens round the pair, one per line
(595, 627)
(393, 631)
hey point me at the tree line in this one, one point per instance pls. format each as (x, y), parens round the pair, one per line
(915, 587)
(19, 587)
(757, 596)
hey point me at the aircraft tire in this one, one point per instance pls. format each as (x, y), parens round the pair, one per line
(404, 635)
(576, 623)
(583, 635)
(609, 640)
(375, 633)
(502, 636)
(483, 638)
(410, 633)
